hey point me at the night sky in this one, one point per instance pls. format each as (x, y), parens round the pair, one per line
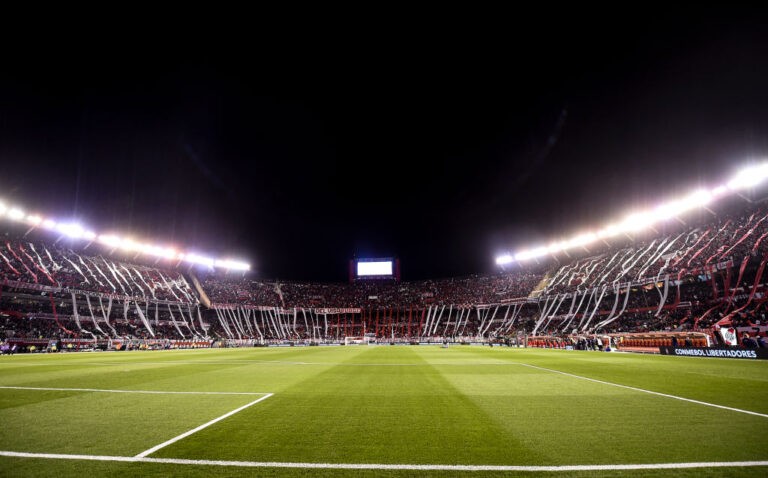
(297, 145)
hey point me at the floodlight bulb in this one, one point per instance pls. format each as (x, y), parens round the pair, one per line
(609, 231)
(749, 177)
(16, 214)
(74, 231)
(505, 259)
(109, 240)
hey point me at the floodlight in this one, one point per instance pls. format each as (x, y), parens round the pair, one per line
(168, 253)
(609, 231)
(197, 259)
(636, 221)
(668, 210)
(229, 264)
(505, 259)
(554, 248)
(128, 245)
(74, 231)
(744, 179)
(581, 240)
(540, 251)
(77, 231)
(522, 256)
(16, 214)
(110, 240)
(239, 266)
(749, 177)
(532, 253)
(157, 251)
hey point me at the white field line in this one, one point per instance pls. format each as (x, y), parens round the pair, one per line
(666, 395)
(204, 425)
(386, 466)
(154, 392)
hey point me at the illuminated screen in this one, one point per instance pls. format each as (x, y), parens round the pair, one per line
(374, 268)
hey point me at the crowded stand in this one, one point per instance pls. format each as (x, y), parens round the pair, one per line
(241, 291)
(695, 278)
(51, 292)
(685, 279)
(688, 252)
(31, 316)
(371, 293)
(46, 265)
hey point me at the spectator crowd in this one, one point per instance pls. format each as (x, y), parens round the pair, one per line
(695, 277)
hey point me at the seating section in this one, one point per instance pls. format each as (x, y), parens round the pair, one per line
(692, 278)
(38, 263)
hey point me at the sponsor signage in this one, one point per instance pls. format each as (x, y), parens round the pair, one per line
(753, 354)
(332, 311)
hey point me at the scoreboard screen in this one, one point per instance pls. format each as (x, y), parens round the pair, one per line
(387, 268)
(378, 268)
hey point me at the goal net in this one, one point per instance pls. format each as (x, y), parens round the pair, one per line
(356, 340)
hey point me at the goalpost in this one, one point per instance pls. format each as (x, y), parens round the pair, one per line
(357, 340)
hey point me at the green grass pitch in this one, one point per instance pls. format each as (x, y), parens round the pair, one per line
(402, 405)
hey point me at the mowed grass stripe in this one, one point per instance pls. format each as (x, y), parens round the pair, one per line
(641, 390)
(145, 392)
(440, 405)
(131, 371)
(102, 423)
(729, 382)
(361, 415)
(558, 421)
(576, 421)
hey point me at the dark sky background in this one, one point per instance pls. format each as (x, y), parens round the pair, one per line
(296, 145)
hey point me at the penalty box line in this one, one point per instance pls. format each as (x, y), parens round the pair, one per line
(384, 466)
(201, 427)
(651, 392)
(160, 392)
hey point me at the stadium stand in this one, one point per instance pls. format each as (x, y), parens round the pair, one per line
(684, 279)
(30, 263)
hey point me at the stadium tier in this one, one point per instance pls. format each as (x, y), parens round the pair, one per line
(41, 266)
(686, 278)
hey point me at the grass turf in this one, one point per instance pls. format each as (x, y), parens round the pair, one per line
(391, 405)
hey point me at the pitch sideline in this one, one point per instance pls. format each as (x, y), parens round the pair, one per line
(384, 466)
